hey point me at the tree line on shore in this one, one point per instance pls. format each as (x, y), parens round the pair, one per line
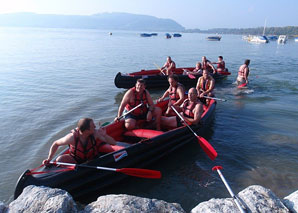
(288, 30)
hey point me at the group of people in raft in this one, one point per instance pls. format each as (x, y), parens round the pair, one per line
(83, 141)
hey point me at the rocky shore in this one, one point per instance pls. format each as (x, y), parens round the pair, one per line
(43, 199)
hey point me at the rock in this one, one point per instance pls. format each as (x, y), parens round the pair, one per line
(2, 207)
(43, 199)
(127, 203)
(255, 198)
(291, 201)
(259, 199)
(216, 205)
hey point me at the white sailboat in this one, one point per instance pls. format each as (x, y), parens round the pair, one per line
(258, 38)
(282, 39)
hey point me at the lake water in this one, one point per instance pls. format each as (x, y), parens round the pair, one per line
(50, 78)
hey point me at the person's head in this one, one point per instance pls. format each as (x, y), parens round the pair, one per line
(140, 85)
(192, 94)
(198, 65)
(205, 74)
(204, 58)
(169, 59)
(86, 124)
(173, 80)
(220, 58)
(247, 61)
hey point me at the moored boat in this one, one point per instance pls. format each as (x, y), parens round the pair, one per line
(213, 38)
(145, 35)
(177, 35)
(155, 79)
(167, 35)
(145, 147)
(282, 39)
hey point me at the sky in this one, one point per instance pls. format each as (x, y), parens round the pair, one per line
(191, 14)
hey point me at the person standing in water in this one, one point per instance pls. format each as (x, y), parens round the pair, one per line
(243, 73)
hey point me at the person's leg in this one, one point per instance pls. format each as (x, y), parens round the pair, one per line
(66, 158)
(168, 122)
(130, 123)
(157, 114)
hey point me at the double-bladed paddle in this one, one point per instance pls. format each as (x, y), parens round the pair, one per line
(142, 173)
(218, 168)
(206, 146)
(159, 69)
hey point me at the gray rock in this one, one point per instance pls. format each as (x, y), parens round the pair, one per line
(291, 201)
(2, 207)
(254, 199)
(43, 199)
(127, 203)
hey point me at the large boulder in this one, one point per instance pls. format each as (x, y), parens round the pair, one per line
(128, 203)
(254, 199)
(291, 202)
(2, 207)
(43, 199)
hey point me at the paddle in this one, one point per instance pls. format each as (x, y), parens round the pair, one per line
(159, 69)
(218, 99)
(206, 146)
(218, 168)
(143, 173)
(191, 76)
(119, 118)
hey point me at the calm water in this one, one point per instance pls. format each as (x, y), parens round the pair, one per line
(50, 78)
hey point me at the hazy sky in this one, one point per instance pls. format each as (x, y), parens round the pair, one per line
(203, 14)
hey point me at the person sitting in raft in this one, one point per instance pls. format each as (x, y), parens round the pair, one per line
(207, 65)
(221, 65)
(196, 71)
(205, 86)
(169, 67)
(191, 110)
(175, 92)
(132, 98)
(83, 143)
(243, 73)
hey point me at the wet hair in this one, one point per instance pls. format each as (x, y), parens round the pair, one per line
(247, 61)
(220, 57)
(84, 124)
(141, 81)
(173, 76)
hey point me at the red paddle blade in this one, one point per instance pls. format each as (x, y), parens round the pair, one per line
(208, 149)
(242, 85)
(143, 173)
(217, 168)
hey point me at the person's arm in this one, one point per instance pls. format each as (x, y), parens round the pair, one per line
(214, 70)
(66, 140)
(180, 92)
(198, 87)
(164, 95)
(198, 110)
(246, 70)
(124, 101)
(103, 136)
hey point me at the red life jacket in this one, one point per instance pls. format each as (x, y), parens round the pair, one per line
(83, 152)
(204, 84)
(241, 70)
(137, 100)
(206, 66)
(174, 96)
(188, 108)
(221, 65)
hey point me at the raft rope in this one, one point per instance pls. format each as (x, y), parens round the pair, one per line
(33, 171)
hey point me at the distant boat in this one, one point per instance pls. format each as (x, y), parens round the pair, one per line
(272, 38)
(282, 39)
(213, 38)
(110, 33)
(258, 39)
(296, 39)
(145, 35)
(177, 35)
(154, 34)
(167, 35)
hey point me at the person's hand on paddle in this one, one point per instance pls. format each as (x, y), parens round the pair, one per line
(203, 94)
(116, 119)
(46, 162)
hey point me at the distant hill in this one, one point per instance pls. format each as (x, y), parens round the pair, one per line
(104, 21)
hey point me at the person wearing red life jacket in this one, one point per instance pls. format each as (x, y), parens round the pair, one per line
(191, 110)
(205, 86)
(83, 143)
(132, 98)
(169, 67)
(175, 92)
(196, 71)
(221, 65)
(243, 73)
(207, 65)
